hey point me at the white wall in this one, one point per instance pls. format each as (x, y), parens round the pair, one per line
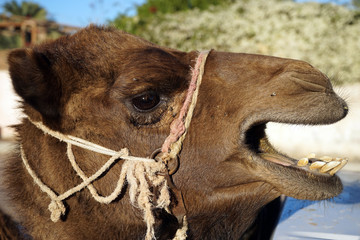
(9, 113)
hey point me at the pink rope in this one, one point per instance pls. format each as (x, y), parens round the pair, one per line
(177, 127)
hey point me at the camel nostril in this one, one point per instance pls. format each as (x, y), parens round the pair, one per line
(310, 82)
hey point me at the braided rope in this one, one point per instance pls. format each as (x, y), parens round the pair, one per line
(179, 126)
(137, 171)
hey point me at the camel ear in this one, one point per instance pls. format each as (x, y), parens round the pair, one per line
(34, 81)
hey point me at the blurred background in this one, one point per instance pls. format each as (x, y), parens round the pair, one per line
(324, 33)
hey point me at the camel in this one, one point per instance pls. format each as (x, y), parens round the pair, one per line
(180, 136)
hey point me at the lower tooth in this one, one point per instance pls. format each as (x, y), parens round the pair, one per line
(329, 166)
(303, 162)
(316, 165)
(340, 166)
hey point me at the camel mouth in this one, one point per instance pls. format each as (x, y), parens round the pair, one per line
(308, 178)
(258, 143)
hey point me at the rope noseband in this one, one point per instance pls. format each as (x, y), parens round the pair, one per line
(136, 171)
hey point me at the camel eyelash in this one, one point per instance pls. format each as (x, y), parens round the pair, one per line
(140, 119)
(146, 108)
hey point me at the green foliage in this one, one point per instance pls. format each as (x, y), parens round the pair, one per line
(156, 9)
(8, 42)
(152, 7)
(53, 34)
(26, 9)
(356, 3)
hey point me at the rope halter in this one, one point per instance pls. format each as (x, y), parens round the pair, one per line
(138, 172)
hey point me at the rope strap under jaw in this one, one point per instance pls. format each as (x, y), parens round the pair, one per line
(134, 169)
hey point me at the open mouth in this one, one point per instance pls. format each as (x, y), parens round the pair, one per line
(257, 142)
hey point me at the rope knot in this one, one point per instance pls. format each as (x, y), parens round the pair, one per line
(122, 153)
(57, 209)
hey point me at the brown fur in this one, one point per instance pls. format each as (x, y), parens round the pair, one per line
(84, 84)
(8, 229)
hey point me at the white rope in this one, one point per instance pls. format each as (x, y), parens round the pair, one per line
(139, 191)
(181, 233)
(137, 171)
(91, 188)
(85, 144)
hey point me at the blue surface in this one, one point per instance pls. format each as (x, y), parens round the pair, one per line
(336, 219)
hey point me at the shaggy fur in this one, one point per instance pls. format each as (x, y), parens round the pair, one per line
(117, 90)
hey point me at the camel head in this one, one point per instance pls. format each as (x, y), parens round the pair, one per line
(117, 90)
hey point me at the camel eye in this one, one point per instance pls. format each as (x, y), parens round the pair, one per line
(146, 102)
